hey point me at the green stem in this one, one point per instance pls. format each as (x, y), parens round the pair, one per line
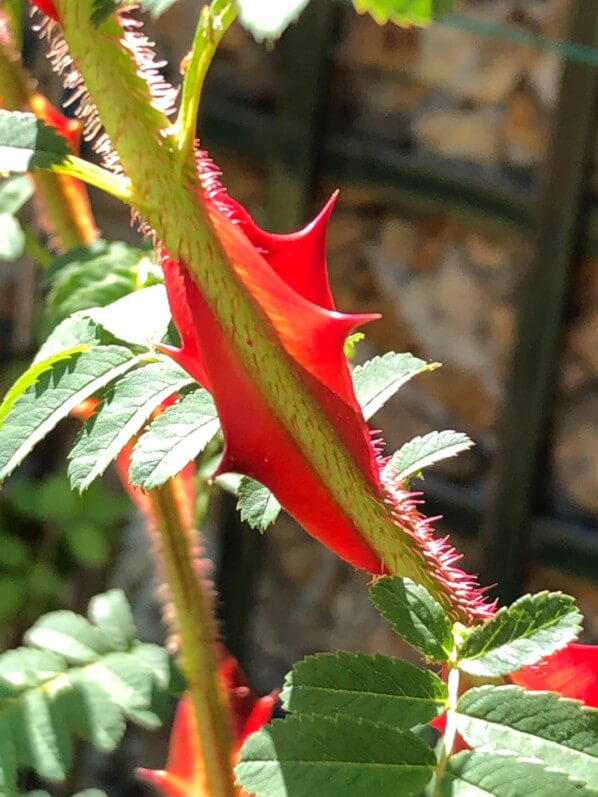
(196, 629)
(213, 24)
(450, 731)
(119, 187)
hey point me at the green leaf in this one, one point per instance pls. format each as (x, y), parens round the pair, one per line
(421, 452)
(24, 668)
(96, 275)
(266, 20)
(378, 379)
(415, 615)
(257, 505)
(57, 391)
(523, 633)
(26, 143)
(32, 375)
(340, 757)
(43, 701)
(76, 331)
(87, 543)
(14, 554)
(15, 192)
(13, 592)
(175, 438)
(139, 318)
(478, 774)
(111, 613)
(404, 12)
(375, 688)
(12, 237)
(540, 725)
(122, 413)
(70, 635)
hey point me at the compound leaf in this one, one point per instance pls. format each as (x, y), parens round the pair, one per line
(15, 192)
(559, 732)
(338, 757)
(415, 615)
(95, 275)
(27, 143)
(56, 391)
(70, 679)
(173, 439)
(377, 380)
(375, 688)
(257, 504)
(421, 452)
(523, 633)
(479, 774)
(121, 414)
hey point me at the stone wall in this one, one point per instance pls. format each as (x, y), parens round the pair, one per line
(447, 286)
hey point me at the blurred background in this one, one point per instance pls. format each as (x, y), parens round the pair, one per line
(468, 215)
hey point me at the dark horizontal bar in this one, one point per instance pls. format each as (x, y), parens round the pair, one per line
(424, 181)
(420, 181)
(570, 546)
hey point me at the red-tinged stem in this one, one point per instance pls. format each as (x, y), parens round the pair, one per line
(65, 205)
(198, 644)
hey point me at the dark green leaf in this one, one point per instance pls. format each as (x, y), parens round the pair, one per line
(269, 20)
(121, 414)
(415, 615)
(404, 12)
(57, 391)
(96, 275)
(15, 192)
(14, 554)
(257, 505)
(379, 379)
(26, 143)
(523, 633)
(421, 452)
(561, 733)
(341, 757)
(375, 688)
(12, 237)
(87, 543)
(175, 438)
